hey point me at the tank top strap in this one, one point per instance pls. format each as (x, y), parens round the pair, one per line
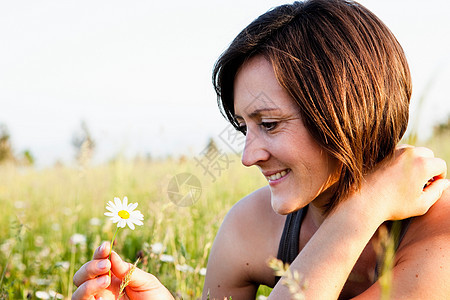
(289, 242)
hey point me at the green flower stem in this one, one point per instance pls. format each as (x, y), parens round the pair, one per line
(110, 248)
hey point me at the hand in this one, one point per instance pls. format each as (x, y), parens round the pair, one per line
(407, 185)
(93, 280)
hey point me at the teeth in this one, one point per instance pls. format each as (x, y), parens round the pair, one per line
(277, 175)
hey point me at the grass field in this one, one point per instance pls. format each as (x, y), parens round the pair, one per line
(52, 220)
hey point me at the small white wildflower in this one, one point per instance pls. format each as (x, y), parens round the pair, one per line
(65, 265)
(38, 241)
(56, 227)
(19, 204)
(95, 222)
(21, 266)
(78, 239)
(261, 297)
(16, 259)
(55, 295)
(202, 271)
(42, 295)
(157, 248)
(41, 281)
(123, 213)
(166, 258)
(45, 252)
(184, 268)
(7, 246)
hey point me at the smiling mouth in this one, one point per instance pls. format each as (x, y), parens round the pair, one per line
(278, 175)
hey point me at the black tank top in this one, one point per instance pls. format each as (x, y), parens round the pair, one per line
(289, 243)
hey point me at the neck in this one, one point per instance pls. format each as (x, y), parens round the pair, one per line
(318, 205)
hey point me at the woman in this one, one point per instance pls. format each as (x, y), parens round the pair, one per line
(321, 90)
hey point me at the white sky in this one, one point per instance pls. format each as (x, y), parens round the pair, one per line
(139, 72)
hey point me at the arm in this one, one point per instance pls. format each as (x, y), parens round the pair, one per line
(394, 191)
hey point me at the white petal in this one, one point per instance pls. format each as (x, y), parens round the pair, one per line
(131, 225)
(118, 203)
(110, 203)
(137, 214)
(137, 222)
(132, 206)
(111, 209)
(125, 202)
(109, 214)
(121, 223)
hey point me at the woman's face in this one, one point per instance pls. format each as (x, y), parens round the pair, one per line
(297, 168)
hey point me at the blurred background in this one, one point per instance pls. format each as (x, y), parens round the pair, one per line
(135, 77)
(104, 99)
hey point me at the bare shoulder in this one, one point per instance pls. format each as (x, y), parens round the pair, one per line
(248, 236)
(252, 208)
(423, 258)
(422, 262)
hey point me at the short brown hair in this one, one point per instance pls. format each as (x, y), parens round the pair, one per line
(343, 67)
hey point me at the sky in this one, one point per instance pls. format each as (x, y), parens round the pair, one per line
(139, 72)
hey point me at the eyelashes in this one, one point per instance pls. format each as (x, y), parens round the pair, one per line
(266, 126)
(242, 129)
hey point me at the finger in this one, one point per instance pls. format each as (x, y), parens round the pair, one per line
(87, 290)
(403, 146)
(434, 191)
(102, 251)
(90, 270)
(423, 151)
(119, 267)
(139, 278)
(437, 168)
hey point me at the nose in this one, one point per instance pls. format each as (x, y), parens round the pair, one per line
(255, 150)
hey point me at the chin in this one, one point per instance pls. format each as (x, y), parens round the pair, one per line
(283, 206)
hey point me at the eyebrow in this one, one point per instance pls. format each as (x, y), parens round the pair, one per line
(257, 112)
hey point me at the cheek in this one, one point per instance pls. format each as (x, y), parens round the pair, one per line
(323, 172)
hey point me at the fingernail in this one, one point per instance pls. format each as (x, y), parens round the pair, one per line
(103, 280)
(102, 264)
(102, 247)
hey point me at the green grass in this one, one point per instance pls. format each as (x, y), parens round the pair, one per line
(42, 209)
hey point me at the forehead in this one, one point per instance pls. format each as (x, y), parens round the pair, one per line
(257, 88)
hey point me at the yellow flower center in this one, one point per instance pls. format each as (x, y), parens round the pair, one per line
(124, 214)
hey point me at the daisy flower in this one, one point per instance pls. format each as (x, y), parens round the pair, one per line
(123, 213)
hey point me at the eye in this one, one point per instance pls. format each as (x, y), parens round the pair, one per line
(242, 129)
(269, 126)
